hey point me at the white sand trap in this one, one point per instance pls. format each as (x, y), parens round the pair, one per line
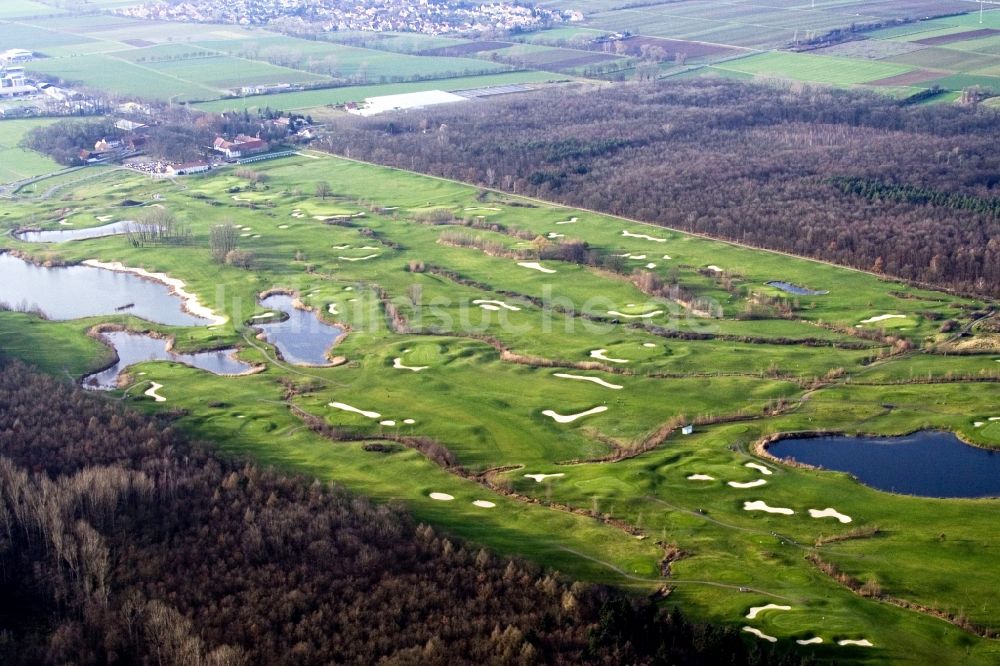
(483, 504)
(762, 506)
(700, 477)
(756, 483)
(387, 422)
(347, 408)
(441, 497)
(103, 218)
(864, 642)
(615, 313)
(554, 235)
(497, 304)
(878, 318)
(177, 287)
(282, 226)
(369, 247)
(650, 265)
(493, 308)
(266, 315)
(760, 634)
(595, 380)
(244, 235)
(366, 258)
(829, 513)
(541, 477)
(629, 234)
(534, 265)
(977, 424)
(815, 640)
(666, 256)
(600, 355)
(571, 220)
(398, 364)
(341, 247)
(994, 418)
(637, 257)
(649, 345)
(481, 208)
(152, 392)
(409, 421)
(255, 236)
(569, 418)
(714, 268)
(65, 223)
(332, 309)
(348, 288)
(760, 468)
(757, 610)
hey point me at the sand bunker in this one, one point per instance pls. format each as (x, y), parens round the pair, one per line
(599, 354)
(829, 513)
(266, 315)
(569, 418)
(341, 247)
(815, 640)
(864, 642)
(650, 265)
(244, 235)
(534, 265)
(409, 421)
(483, 504)
(177, 287)
(873, 320)
(615, 313)
(541, 477)
(554, 235)
(370, 256)
(714, 268)
(977, 424)
(649, 345)
(152, 392)
(757, 610)
(571, 220)
(65, 223)
(282, 226)
(760, 468)
(629, 234)
(347, 408)
(493, 308)
(496, 304)
(387, 422)
(441, 497)
(104, 218)
(749, 484)
(332, 309)
(398, 364)
(700, 477)
(595, 380)
(666, 256)
(760, 634)
(762, 506)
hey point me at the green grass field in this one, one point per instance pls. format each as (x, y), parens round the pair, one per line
(488, 407)
(17, 163)
(813, 68)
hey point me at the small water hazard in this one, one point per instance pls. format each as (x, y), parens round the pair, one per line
(62, 235)
(795, 289)
(75, 292)
(929, 463)
(302, 338)
(135, 348)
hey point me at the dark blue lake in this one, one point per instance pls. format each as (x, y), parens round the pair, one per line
(928, 463)
(302, 338)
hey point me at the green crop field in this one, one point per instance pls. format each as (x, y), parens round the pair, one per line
(429, 319)
(17, 163)
(814, 68)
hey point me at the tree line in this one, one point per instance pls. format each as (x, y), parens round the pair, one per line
(121, 541)
(757, 164)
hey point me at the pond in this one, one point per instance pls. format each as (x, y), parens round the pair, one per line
(928, 463)
(74, 292)
(795, 289)
(60, 235)
(135, 348)
(303, 338)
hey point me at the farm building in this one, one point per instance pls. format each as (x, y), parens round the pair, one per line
(687, 430)
(16, 55)
(187, 168)
(13, 82)
(241, 146)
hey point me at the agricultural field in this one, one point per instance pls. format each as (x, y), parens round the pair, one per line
(571, 454)
(17, 163)
(813, 68)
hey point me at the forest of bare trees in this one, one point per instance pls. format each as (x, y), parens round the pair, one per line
(860, 180)
(123, 543)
